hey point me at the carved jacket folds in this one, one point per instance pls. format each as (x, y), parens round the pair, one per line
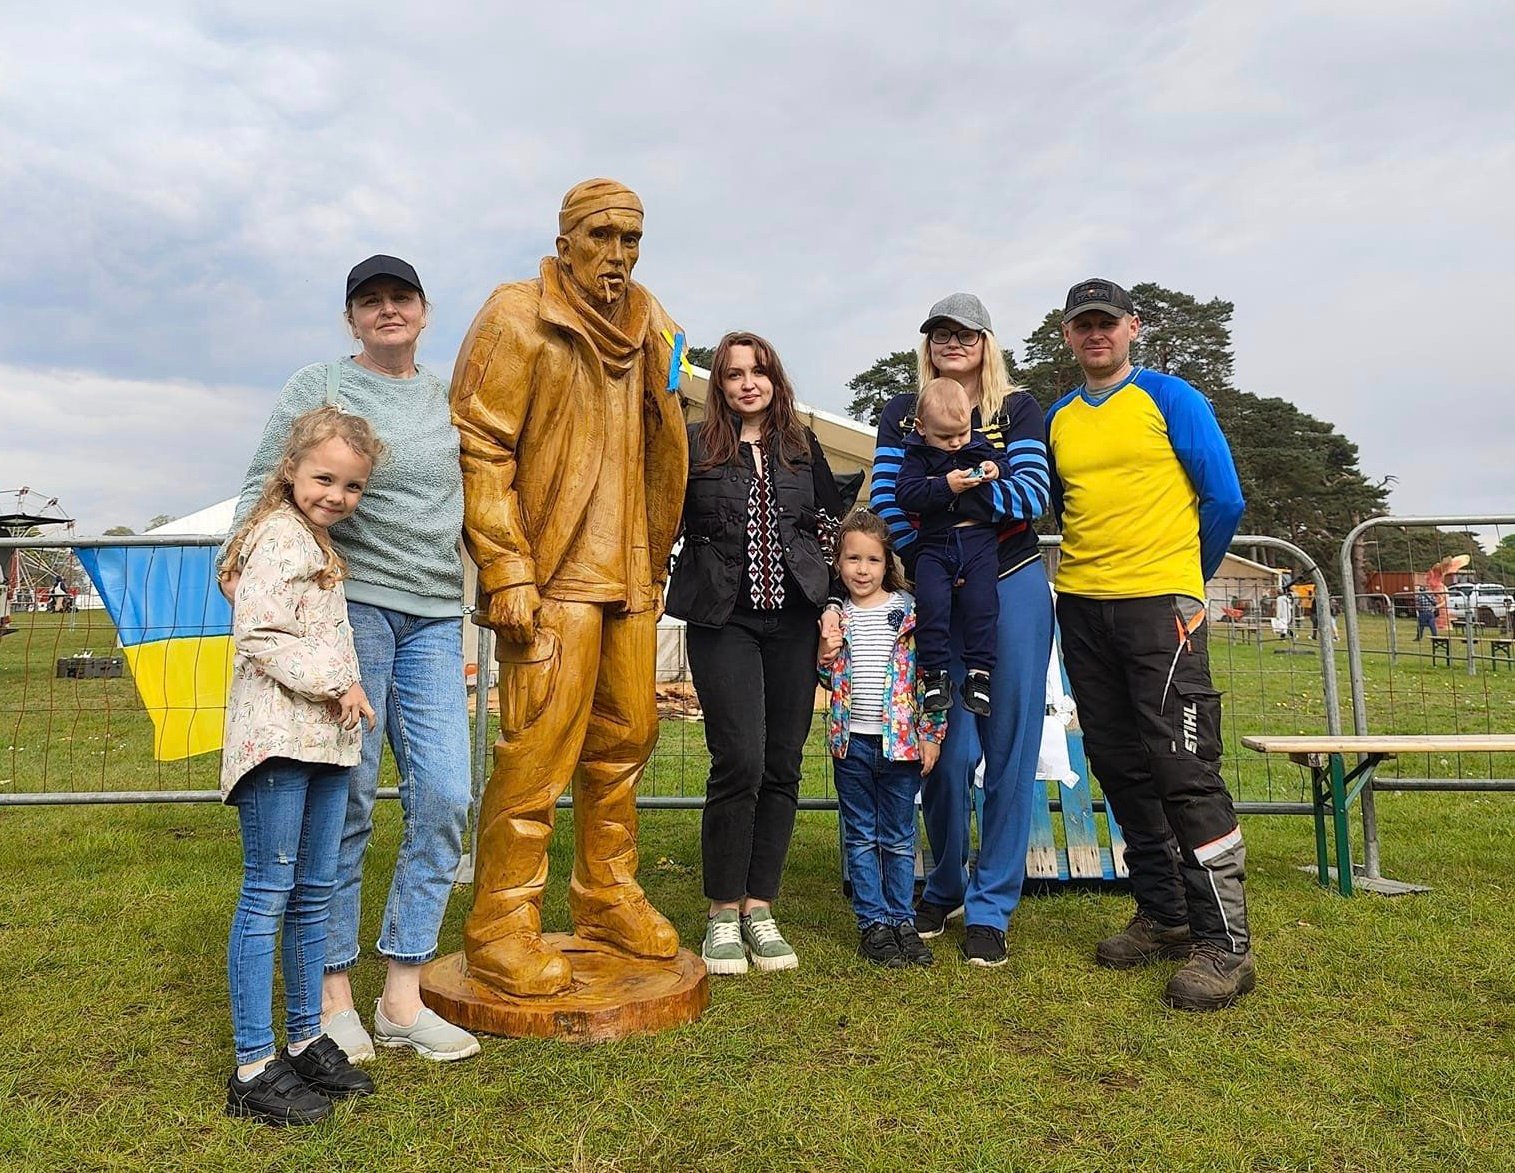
(528, 400)
(294, 654)
(711, 566)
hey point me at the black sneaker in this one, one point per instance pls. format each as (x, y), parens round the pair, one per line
(325, 1066)
(984, 946)
(1213, 978)
(936, 692)
(931, 919)
(276, 1095)
(878, 945)
(912, 948)
(976, 692)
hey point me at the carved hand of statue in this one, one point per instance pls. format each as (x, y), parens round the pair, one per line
(513, 613)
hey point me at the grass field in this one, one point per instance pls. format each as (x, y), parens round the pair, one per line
(1381, 1036)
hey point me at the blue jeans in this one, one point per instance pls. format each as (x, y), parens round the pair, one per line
(877, 802)
(1424, 621)
(413, 674)
(1008, 742)
(291, 816)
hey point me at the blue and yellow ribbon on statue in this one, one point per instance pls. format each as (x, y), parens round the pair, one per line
(175, 632)
(679, 364)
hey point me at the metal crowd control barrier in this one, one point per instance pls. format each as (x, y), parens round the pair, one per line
(110, 712)
(1372, 861)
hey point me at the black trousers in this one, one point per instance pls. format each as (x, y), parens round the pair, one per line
(1150, 715)
(756, 681)
(966, 555)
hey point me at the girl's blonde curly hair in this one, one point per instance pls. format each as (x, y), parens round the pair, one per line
(308, 432)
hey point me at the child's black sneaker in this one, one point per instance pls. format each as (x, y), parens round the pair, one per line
(936, 692)
(983, 945)
(276, 1095)
(878, 945)
(912, 948)
(976, 692)
(325, 1066)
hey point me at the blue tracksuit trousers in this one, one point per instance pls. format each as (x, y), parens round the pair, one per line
(1008, 741)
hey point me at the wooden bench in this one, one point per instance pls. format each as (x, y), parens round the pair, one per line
(1335, 786)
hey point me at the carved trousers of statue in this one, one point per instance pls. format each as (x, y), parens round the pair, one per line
(576, 705)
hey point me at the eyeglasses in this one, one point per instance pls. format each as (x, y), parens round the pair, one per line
(964, 338)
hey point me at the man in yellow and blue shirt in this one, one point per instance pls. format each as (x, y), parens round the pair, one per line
(1148, 496)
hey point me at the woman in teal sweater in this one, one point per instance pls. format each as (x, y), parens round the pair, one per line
(405, 603)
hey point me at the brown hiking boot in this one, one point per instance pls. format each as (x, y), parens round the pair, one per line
(1142, 942)
(1212, 980)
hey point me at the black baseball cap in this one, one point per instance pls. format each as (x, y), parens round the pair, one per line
(381, 266)
(1097, 294)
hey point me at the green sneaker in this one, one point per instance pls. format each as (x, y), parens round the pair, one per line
(769, 949)
(722, 951)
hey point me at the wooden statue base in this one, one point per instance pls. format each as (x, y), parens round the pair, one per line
(612, 996)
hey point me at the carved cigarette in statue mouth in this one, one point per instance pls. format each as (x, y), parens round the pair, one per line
(611, 287)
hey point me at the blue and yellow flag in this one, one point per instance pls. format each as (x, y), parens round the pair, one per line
(175, 632)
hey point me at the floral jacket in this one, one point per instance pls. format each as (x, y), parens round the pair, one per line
(905, 725)
(294, 654)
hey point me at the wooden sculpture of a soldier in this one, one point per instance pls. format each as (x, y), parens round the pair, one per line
(574, 462)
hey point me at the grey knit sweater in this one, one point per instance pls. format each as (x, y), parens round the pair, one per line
(402, 543)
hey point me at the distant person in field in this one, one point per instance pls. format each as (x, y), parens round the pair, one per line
(1425, 613)
(944, 479)
(1145, 487)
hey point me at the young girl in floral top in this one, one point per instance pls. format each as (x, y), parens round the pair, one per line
(292, 733)
(881, 740)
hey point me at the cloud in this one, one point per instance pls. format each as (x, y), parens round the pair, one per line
(119, 451)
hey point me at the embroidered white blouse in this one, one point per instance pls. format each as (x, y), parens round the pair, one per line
(294, 656)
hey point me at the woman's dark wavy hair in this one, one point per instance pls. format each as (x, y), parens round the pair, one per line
(783, 433)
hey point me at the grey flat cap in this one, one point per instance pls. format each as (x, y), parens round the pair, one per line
(962, 308)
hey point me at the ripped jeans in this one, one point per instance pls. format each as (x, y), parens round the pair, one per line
(291, 815)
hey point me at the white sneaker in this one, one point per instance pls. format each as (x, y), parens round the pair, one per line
(431, 1036)
(346, 1030)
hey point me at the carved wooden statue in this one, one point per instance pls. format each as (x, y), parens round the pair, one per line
(574, 464)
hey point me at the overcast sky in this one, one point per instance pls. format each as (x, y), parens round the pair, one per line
(183, 190)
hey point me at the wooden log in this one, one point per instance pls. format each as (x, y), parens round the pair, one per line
(613, 996)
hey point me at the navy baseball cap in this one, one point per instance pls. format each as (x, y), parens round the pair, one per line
(381, 266)
(1097, 294)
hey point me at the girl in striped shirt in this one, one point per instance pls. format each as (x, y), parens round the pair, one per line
(881, 740)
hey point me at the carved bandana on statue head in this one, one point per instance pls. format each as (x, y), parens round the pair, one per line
(599, 235)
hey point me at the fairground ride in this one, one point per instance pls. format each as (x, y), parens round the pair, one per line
(31, 575)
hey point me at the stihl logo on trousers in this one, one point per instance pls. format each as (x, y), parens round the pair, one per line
(1191, 728)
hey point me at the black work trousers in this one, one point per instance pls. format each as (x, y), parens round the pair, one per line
(1140, 674)
(755, 676)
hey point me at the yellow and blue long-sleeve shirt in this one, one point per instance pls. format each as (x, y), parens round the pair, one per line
(1144, 483)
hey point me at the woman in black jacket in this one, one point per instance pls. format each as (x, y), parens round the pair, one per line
(760, 515)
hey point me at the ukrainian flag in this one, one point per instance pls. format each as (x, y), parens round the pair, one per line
(175, 632)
